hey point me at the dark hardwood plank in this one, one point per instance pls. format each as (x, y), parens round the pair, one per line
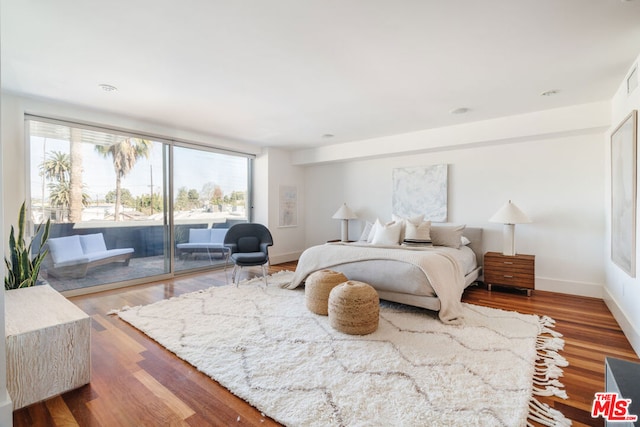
(136, 382)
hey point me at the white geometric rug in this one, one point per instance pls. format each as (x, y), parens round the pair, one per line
(268, 349)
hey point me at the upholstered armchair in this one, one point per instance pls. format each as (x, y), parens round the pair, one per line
(248, 245)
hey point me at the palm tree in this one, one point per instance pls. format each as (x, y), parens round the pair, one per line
(76, 196)
(59, 198)
(57, 166)
(124, 154)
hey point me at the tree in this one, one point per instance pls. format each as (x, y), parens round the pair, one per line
(59, 194)
(60, 197)
(216, 197)
(126, 198)
(147, 204)
(194, 198)
(208, 189)
(56, 167)
(76, 196)
(124, 154)
(182, 199)
(187, 199)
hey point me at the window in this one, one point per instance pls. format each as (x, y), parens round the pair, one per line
(210, 192)
(107, 194)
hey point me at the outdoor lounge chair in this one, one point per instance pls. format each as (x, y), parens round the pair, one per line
(209, 240)
(72, 256)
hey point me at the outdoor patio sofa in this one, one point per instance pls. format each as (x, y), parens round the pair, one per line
(72, 256)
(208, 240)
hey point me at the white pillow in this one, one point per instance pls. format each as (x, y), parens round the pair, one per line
(388, 234)
(366, 232)
(420, 232)
(464, 241)
(416, 220)
(372, 233)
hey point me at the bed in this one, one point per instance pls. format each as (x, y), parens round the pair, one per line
(431, 277)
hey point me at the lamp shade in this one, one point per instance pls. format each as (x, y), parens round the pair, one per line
(344, 213)
(510, 214)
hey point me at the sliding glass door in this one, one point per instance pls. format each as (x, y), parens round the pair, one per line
(210, 195)
(107, 194)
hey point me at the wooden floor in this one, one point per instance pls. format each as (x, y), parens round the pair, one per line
(136, 382)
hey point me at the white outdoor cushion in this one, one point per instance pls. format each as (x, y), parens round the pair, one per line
(95, 256)
(199, 235)
(217, 235)
(65, 248)
(92, 243)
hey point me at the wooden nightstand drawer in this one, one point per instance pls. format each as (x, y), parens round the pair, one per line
(516, 271)
(519, 281)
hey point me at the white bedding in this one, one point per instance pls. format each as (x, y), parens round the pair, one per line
(431, 271)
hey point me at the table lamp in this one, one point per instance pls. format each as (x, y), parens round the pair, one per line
(509, 215)
(344, 214)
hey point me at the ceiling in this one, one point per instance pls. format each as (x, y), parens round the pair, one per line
(288, 72)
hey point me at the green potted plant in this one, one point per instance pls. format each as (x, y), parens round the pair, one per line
(22, 267)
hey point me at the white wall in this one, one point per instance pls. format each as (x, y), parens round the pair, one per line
(275, 171)
(555, 177)
(622, 293)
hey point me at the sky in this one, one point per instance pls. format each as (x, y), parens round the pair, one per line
(193, 168)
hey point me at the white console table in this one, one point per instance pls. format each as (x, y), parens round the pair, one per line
(48, 342)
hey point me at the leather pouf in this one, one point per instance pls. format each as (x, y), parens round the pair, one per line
(354, 308)
(317, 288)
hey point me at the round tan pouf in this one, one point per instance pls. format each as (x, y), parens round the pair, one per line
(354, 308)
(317, 288)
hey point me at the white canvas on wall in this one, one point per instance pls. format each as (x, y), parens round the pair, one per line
(623, 194)
(421, 190)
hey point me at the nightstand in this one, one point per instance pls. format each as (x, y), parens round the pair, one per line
(517, 271)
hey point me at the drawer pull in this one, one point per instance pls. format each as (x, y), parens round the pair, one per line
(508, 262)
(508, 277)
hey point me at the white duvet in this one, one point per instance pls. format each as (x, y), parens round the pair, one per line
(444, 271)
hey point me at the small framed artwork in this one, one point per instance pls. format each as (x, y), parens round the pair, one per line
(623, 194)
(288, 215)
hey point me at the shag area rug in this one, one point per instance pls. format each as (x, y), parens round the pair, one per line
(266, 347)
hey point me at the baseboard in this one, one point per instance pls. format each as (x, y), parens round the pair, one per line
(583, 289)
(280, 258)
(623, 320)
(6, 411)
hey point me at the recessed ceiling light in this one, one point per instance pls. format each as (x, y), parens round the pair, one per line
(550, 92)
(460, 110)
(107, 88)
(328, 135)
